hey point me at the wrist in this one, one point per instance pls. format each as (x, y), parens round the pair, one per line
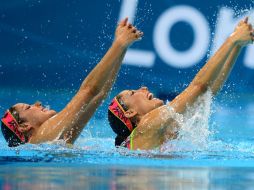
(118, 42)
(233, 39)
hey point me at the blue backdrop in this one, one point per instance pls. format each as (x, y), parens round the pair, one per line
(53, 44)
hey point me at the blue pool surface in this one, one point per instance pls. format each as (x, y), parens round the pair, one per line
(225, 160)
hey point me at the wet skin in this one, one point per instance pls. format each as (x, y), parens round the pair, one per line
(141, 101)
(34, 114)
(43, 125)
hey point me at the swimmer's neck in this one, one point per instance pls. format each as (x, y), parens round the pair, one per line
(140, 118)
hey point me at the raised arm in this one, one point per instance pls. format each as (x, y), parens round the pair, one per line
(159, 125)
(71, 135)
(226, 70)
(125, 34)
(206, 77)
(77, 113)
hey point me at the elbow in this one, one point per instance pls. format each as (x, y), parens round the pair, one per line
(102, 95)
(201, 87)
(97, 95)
(97, 92)
(98, 99)
(90, 91)
(86, 94)
(215, 89)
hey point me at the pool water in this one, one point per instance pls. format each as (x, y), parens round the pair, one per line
(218, 153)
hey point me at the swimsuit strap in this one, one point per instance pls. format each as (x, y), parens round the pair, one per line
(131, 139)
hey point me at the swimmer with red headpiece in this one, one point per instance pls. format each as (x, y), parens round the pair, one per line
(24, 123)
(142, 121)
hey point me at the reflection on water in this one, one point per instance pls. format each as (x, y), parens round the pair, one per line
(38, 177)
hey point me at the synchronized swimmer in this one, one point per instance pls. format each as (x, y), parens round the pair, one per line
(24, 123)
(134, 115)
(142, 121)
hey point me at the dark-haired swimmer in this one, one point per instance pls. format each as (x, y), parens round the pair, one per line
(144, 122)
(24, 123)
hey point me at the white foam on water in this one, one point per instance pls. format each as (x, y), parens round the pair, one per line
(194, 126)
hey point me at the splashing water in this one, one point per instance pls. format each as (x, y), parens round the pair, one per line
(248, 12)
(251, 17)
(194, 131)
(47, 107)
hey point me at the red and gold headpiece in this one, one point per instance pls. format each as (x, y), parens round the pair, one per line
(116, 108)
(10, 122)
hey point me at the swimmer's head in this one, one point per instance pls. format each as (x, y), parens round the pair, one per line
(135, 104)
(20, 120)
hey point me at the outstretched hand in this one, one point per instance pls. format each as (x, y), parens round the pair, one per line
(126, 33)
(244, 33)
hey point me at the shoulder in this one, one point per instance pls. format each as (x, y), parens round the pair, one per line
(157, 116)
(155, 128)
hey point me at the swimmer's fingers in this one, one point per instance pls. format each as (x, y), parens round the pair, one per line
(252, 36)
(139, 35)
(252, 33)
(134, 29)
(246, 20)
(241, 22)
(250, 27)
(130, 26)
(123, 22)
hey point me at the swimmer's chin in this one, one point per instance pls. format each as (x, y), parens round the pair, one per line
(162, 103)
(158, 102)
(52, 113)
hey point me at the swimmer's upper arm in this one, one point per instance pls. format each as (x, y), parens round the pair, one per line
(73, 116)
(72, 134)
(187, 97)
(154, 129)
(160, 125)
